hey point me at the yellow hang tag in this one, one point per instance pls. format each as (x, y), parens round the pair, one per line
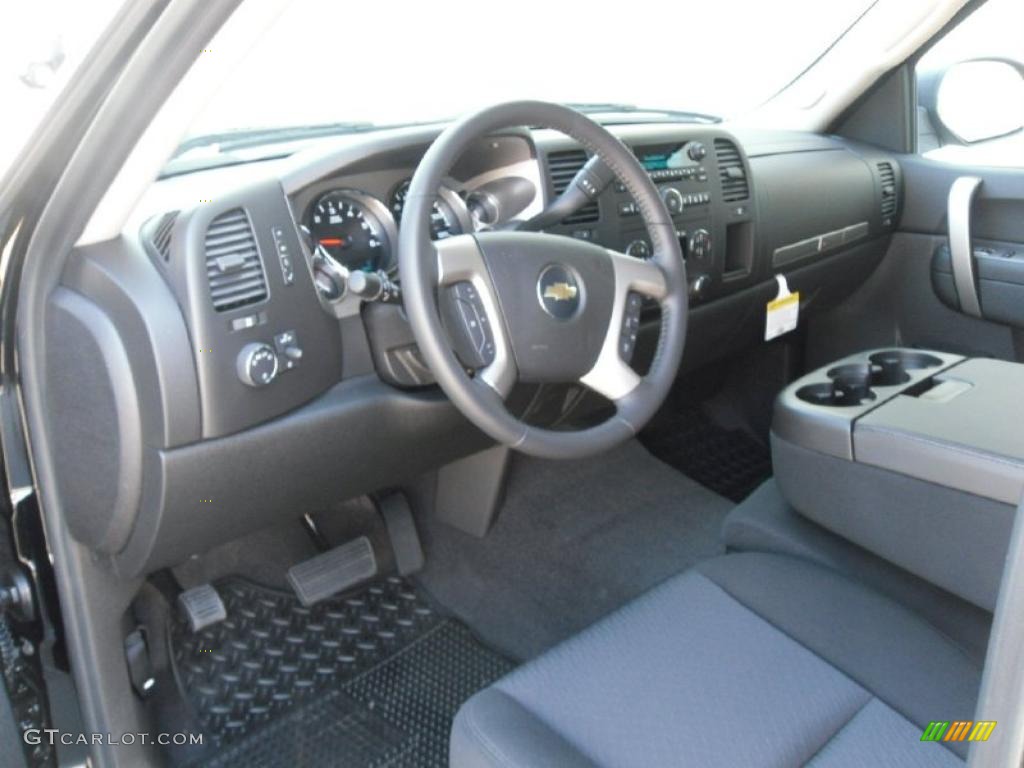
(783, 312)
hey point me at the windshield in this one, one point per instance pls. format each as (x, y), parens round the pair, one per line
(42, 42)
(327, 62)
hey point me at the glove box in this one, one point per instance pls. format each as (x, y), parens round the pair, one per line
(916, 456)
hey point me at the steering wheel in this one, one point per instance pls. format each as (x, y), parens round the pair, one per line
(544, 308)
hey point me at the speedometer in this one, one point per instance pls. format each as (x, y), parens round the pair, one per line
(343, 222)
(443, 220)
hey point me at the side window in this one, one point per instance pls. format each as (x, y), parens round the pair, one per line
(970, 90)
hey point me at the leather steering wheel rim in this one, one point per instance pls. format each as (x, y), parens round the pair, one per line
(424, 265)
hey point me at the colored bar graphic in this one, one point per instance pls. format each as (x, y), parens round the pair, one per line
(935, 731)
(958, 730)
(982, 730)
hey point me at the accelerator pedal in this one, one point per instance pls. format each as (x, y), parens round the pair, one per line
(331, 572)
(202, 607)
(405, 541)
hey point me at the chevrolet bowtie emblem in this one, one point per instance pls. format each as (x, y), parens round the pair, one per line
(560, 292)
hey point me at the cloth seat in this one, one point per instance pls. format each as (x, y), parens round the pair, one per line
(747, 660)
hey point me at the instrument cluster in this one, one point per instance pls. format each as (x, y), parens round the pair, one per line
(360, 231)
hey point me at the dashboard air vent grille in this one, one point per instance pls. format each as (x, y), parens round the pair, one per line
(731, 172)
(233, 265)
(563, 167)
(160, 238)
(887, 177)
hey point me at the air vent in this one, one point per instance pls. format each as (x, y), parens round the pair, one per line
(887, 177)
(233, 264)
(157, 233)
(731, 172)
(563, 167)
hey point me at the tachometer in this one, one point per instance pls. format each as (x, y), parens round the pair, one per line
(344, 223)
(443, 220)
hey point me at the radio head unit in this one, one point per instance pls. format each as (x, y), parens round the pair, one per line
(678, 160)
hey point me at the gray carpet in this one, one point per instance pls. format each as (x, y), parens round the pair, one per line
(574, 541)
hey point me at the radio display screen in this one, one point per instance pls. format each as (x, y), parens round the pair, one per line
(662, 157)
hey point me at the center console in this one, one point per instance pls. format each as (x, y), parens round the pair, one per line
(915, 455)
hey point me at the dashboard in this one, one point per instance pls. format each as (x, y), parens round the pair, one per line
(211, 353)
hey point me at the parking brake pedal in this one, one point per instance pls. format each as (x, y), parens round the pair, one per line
(331, 572)
(202, 607)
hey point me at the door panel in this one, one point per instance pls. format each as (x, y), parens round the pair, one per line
(998, 211)
(899, 303)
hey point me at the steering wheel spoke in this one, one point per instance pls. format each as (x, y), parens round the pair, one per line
(635, 279)
(459, 261)
(637, 275)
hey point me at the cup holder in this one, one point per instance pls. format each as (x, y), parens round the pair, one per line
(850, 385)
(854, 383)
(907, 361)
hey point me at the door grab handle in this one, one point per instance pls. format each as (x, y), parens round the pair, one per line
(961, 195)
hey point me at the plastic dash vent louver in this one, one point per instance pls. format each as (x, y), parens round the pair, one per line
(563, 166)
(233, 265)
(160, 236)
(731, 172)
(887, 177)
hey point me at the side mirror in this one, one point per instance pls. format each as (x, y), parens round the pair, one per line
(981, 99)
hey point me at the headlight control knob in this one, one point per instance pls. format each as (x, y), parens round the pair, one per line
(257, 364)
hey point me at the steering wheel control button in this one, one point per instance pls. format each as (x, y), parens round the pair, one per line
(559, 292)
(289, 353)
(467, 322)
(630, 325)
(257, 364)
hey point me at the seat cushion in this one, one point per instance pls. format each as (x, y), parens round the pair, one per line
(749, 659)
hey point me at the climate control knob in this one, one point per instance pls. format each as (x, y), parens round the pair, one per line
(257, 364)
(639, 249)
(699, 246)
(673, 200)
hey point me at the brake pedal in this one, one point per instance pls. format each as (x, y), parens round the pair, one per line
(331, 572)
(202, 607)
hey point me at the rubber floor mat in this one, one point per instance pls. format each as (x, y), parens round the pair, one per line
(369, 679)
(728, 461)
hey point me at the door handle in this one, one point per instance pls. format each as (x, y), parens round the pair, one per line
(961, 195)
